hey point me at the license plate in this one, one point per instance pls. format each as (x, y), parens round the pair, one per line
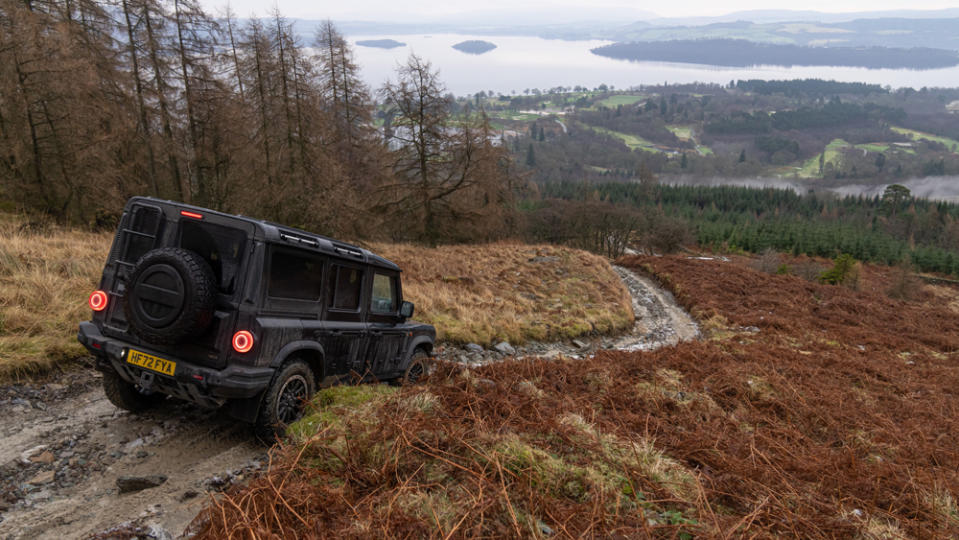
(153, 363)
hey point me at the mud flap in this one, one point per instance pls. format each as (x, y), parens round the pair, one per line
(245, 409)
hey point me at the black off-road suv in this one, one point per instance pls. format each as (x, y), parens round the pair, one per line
(219, 309)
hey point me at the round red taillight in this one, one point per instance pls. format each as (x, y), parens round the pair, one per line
(242, 341)
(98, 300)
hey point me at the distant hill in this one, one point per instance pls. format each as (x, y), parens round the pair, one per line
(742, 53)
(939, 33)
(902, 28)
(474, 46)
(381, 43)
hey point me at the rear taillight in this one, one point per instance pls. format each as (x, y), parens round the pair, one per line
(242, 341)
(98, 300)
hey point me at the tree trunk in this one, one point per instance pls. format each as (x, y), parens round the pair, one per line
(143, 124)
(153, 45)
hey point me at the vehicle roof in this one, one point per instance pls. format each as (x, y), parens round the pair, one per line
(281, 234)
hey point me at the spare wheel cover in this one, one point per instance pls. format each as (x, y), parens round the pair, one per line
(159, 296)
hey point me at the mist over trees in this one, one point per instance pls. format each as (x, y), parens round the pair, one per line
(100, 101)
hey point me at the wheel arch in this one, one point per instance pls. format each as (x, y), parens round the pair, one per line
(423, 343)
(310, 352)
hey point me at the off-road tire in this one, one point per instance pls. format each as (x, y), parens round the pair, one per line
(184, 305)
(283, 402)
(418, 368)
(128, 396)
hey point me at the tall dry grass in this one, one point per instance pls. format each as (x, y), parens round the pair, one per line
(471, 293)
(509, 291)
(46, 275)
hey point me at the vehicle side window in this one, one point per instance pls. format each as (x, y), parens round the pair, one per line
(345, 285)
(296, 276)
(384, 294)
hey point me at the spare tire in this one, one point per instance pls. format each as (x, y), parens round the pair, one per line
(171, 296)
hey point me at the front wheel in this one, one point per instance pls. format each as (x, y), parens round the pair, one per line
(293, 385)
(417, 368)
(129, 397)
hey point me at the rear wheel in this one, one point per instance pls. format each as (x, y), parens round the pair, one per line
(129, 397)
(285, 399)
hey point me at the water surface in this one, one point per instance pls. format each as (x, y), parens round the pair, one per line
(521, 63)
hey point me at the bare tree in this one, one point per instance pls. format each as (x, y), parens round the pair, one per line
(437, 159)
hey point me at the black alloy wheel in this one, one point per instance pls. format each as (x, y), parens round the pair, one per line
(293, 395)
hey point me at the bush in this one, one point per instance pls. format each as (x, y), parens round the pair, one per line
(845, 271)
(905, 285)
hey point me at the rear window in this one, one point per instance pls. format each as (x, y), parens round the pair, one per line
(222, 247)
(295, 275)
(345, 285)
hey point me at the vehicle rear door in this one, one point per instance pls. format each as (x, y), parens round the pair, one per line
(344, 328)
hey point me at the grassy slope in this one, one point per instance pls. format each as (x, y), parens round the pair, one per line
(810, 168)
(687, 133)
(951, 144)
(471, 293)
(619, 99)
(511, 292)
(45, 279)
(836, 419)
(632, 141)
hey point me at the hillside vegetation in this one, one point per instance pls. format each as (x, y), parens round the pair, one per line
(481, 293)
(809, 411)
(46, 275)
(512, 292)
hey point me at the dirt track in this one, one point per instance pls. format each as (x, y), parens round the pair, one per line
(62, 448)
(87, 443)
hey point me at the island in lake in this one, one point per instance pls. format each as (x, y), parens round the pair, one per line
(475, 46)
(381, 43)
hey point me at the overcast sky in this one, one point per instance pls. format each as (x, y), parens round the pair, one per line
(569, 10)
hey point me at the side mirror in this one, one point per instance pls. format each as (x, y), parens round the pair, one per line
(406, 310)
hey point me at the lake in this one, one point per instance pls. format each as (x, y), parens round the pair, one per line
(519, 63)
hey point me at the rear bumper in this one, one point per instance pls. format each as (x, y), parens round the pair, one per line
(192, 382)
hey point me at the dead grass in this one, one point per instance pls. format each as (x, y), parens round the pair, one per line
(46, 275)
(838, 419)
(471, 293)
(511, 292)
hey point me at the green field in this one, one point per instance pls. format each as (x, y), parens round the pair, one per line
(687, 133)
(684, 133)
(951, 144)
(873, 147)
(634, 142)
(810, 168)
(621, 99)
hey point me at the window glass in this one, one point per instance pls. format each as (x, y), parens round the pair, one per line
(221, 247)
(345, 286)
(295, 276)
(146, 221)
(382, 301)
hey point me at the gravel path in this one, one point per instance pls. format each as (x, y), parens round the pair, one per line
(660, 322)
